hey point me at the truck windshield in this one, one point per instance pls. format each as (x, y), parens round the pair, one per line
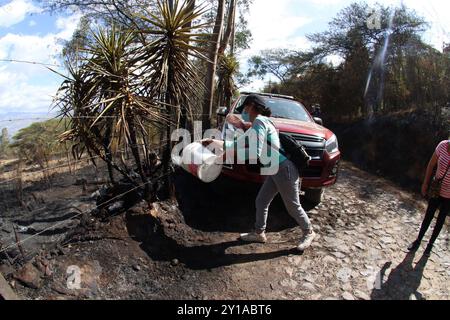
(281, 108)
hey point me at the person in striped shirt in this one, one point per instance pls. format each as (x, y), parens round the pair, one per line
(441, 158)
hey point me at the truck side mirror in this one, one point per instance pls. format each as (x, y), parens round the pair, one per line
(318, 120)
(222, 111)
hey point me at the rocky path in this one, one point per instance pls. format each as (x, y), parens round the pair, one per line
(364, 224)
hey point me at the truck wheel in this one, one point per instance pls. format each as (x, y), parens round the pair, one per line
(314, 195)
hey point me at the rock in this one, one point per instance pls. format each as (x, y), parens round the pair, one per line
(289, 271)
(361, 295)
(29, 276)
(175, 262)
(344, 275)
(347, 296)
(309, 286)
(343, 248)
(329, 259)
(359, 245)
(289, 283)
(386, 240)
(6, 270)
(136, 267)
(309, 279)
(296, 260)
(347, 287)
(6, 292)
(338, 255)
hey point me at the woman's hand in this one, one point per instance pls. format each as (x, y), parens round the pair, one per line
(206, 142)
(235, 121)
(424, 189)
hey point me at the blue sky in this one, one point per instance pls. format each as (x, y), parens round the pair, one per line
(28, 34)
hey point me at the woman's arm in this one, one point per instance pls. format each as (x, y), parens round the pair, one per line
(238, 123)
(431, 164)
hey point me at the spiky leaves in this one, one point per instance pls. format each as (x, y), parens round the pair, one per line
(173, 43)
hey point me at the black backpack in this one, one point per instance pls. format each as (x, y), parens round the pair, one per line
(293, 150)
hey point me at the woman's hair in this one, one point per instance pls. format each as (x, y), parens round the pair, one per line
(262, 110)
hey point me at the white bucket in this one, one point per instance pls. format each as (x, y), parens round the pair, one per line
(199, 161)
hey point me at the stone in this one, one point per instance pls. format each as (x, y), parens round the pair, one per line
(309, 279)
(338, 255)
(6, 292)
(344, 275)
(175, 262)
(343, 248)
(361, 295)
(289, 271)
(386, 240)
(290, 283)
(328, 259)
(29, 276)
(6, 270)
(359, 245)
(296, 260)
(347, 287)
(347, 296)
(136, 267)
(309, 286)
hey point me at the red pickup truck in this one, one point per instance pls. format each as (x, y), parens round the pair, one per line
(291, 117)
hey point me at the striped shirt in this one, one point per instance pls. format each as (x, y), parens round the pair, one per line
(443, 154)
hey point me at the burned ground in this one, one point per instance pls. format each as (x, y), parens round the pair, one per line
(364, 225)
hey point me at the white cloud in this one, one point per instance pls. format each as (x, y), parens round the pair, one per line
(274, 25)
(16, 11)
(30, 87)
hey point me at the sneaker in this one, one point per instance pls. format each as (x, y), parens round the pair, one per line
(414, 246)
(253, 237)
(306, 240)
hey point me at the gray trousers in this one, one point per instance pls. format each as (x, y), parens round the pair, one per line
(287, 183)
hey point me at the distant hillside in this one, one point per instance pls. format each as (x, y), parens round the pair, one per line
(14, 121)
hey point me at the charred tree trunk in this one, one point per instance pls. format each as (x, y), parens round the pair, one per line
(137, 159)
(211, 69)
(230, 27)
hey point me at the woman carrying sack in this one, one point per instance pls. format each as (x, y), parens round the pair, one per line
(437, 190)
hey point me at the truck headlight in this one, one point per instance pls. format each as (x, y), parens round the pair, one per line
(332, 145)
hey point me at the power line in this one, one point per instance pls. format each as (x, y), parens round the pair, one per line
(76, 161)
(48, 169)
(74, 117)
(30, 62)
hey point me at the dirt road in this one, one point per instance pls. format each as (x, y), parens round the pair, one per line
(364, 224)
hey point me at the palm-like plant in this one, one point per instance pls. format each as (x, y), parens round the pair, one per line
(170, 45)
(226, 87)
(129, 81)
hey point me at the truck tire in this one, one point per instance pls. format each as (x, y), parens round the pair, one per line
(314, 195)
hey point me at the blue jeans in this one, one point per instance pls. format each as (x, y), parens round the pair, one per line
(286, 182)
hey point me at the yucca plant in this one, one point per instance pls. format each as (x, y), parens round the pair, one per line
(104, 101)
(226, 87)
(171, 43)
(128, 82)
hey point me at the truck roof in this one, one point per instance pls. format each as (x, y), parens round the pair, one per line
(271, 95)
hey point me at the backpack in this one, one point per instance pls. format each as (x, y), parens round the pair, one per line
(293, 150)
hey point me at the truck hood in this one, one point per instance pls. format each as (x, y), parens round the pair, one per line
(302, 127)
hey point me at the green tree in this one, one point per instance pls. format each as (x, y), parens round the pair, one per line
(4, 143)
(39, 142)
